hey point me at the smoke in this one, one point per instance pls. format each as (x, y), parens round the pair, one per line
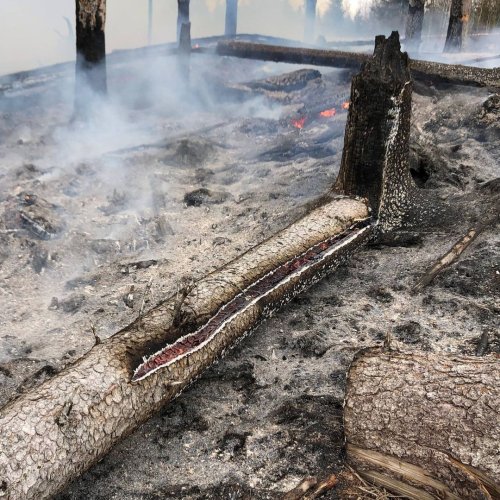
(359, 8)
(322, 6)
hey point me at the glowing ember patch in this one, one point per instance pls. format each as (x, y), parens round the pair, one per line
(299, 123)
(346, 105)
(328, 113)
(254, 293)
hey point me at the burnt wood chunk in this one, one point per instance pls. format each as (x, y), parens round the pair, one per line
(414, 22)
(375, 160)
(231, 24)
(90, 75)
(310, 20)
(425, 425)
(182, 16)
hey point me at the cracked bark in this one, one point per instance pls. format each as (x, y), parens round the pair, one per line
(425, 425)
(459, 16)
(50, 435)
(90, 69)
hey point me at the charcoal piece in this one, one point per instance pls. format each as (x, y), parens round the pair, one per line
(409, 332)
(202, 196)
(72, 304)
(39, 257)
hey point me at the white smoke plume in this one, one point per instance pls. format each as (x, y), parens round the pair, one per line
(361, 8)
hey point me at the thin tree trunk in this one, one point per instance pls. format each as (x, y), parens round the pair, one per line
(184, 55)
(90, 73)
(455, 27)
(414, 23)
(182, 15)
(231, 25)
(310, 20)
(425, 425)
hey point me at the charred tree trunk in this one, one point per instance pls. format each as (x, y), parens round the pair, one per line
(182, 16)
(414, 23)
(185, 51)
(376, 144)
(90, 73)
(52, 434)
(459, 16)
(310, 20)
(424, 425)
(231, 18)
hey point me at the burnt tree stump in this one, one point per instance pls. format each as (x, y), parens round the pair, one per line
(310, 20)
(182, 16)
(414, 23)
(425, 425)
(90, 72)
(231, 23)
(375, 159)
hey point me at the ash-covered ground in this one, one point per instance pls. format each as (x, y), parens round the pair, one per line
(101, 221)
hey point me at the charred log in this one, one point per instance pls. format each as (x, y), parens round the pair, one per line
(375, 160)
(84, 410)
(424, 425)
(310, 20)
(421, 70)
(182, 16)
(459, 16)
(231, 24)
(414, 23)
(90, 69)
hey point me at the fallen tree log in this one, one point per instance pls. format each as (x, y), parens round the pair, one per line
(425, 425)
(51, 434)
(420, 70)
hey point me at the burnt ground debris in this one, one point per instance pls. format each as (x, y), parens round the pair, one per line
(269, 414)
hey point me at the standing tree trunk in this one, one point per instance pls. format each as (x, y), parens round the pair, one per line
(414, 22)
(231, 17)
(182, 16)
(185, 51)
(425, 425)
(376, 145)
(459, 16)
(310, 20)
(90, 76)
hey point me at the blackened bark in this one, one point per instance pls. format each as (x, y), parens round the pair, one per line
(459, 15)
(376, 145)
(182, 15)
(90, 74)
(231, 17)
(310, 20)
(414, 22)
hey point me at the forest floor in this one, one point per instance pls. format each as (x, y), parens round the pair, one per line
(101, 221)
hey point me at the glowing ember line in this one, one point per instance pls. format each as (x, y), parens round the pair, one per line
(250, 296)
(328, 113)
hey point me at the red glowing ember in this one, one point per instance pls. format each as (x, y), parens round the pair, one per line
(345, 105)
(299, 123)
(328, 113)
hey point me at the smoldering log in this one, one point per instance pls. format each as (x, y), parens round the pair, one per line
(459, 16)
(182, 16)
(421, 70)
(90, 69)
(425, 425)
(83, 411)
(310, 20)
(414, 23)
(231, 24)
